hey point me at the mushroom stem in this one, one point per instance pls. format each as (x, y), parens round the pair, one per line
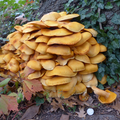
(100, 92)
(84, 96)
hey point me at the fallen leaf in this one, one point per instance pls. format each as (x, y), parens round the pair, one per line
(64, 117)
(78, 102)
(27, 71)
(11, 102)
(30, 87)
(116, 103)
(27, 93)
(34, 85)
(56, 105)
(21, 19)
(3, 107)
(4, 82)
(81, 112)
(30, 112)
(8, 103)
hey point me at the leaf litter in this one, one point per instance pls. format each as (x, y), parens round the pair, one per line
(30, 112)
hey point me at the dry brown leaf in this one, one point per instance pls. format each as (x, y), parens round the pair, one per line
(76, 100)
(60, 102)
(66, 102)
(64, 117)
(116, 103)
(56, 105)
(81, 113)
(20, 19)
(30, 112)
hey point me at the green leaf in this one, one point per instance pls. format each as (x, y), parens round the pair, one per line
(100, 5)
(109, 5)
(3, 107)
(39, 101)
(110, 81)
(4, 82)
(102, 18)
(100, 86)
(85, 1)
(115, 43)
(118, 3)
(116, 19)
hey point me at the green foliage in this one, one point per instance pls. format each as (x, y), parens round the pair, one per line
(107, 36)
(108, 5)
(72, 109)
(46, 93)
(39, 101)
(4, 82)
(9, 9)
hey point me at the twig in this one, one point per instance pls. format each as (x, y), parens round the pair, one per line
(100, 24)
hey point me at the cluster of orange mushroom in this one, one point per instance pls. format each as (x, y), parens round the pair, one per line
(63, 55)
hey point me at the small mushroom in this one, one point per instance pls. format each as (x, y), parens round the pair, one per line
(13, 65)
(51, 16)
(72, 26)
(25, 49)
(31, 44)
(24, 56)
(80, 88)
(55, 32)
(97, 59)
(50, 88)
(76, 65)
(34, 64)
(85, 37)
(38, 24)
(66, 40)
(103, 48)
(66, 94)
(63, 13)
(92, 31)
(67, 17)
(8, 57)
(42, 48)
(28, 29)
(87, 77)
(63, 61)
(82, 58)
(68, 86)
(57, 81)
(92, 41)
(92, 82)
(34, 34)
(51, 23)
(84, 96)
(82, 49)
(18, 28)
(105, 97)
(59, 50)
(9, 47)
(34, 75)
(1, 59)
(61, 71)
(48, 64)
(89, 68)
(45, 56)
(94, 50)
(25, 37)
(42, 38)
(103, 80)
